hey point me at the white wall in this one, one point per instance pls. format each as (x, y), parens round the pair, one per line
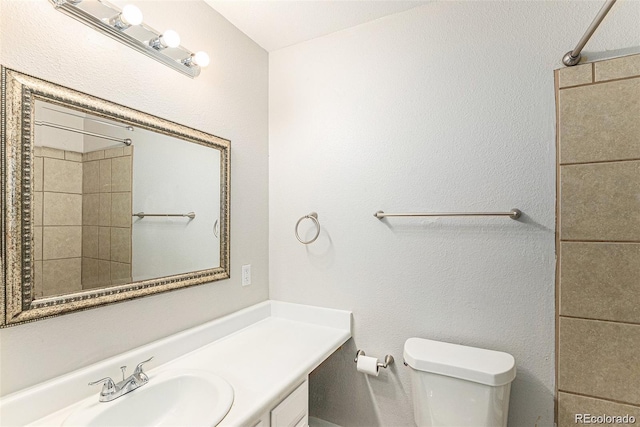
(171, 176)
(446, 107)
(229, 99)
(46, 136)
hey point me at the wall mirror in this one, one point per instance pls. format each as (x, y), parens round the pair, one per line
(102, 203)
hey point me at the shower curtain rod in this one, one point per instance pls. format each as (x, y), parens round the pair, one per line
(127, 127)
(125, 141)
(573, 57)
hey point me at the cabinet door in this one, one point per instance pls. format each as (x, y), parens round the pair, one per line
(294, 410)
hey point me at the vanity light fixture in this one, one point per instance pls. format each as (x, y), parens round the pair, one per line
(127, 27)
(198, 59)
(129, 16)
(167, 39)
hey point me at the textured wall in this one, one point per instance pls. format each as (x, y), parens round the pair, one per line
(599, 233)
(229, 99)
(446, 107)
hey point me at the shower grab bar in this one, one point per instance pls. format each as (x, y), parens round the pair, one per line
(573, 57)
(141, 215)
(125, 141)
(513, 214)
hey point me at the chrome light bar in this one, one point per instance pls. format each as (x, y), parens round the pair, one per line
(108, 19)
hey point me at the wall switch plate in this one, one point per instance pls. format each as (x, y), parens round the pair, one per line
(246, 275)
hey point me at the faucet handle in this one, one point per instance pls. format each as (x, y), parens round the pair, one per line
(108, 388)
(139, 370)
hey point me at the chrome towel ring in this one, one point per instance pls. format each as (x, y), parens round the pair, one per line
(313, 217)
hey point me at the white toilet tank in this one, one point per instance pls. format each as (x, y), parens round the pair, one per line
(458, 386)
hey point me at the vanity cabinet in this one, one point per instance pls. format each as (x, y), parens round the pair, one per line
(292, 411)
(270, 382)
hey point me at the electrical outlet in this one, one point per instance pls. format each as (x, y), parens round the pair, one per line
(246, 275)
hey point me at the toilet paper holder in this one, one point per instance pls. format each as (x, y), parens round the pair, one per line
(388, 359)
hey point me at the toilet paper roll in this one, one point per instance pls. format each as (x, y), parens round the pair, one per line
(368, 365)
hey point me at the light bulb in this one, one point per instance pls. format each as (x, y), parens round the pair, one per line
(201, 58)
(131, 15)
(170, 39)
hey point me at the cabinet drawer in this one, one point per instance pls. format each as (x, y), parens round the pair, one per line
(294, 410)
(263, 421)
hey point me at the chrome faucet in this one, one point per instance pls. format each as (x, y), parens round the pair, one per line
(111, 390)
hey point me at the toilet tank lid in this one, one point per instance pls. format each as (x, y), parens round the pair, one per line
(489, 367)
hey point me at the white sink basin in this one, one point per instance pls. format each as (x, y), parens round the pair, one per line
(170, 398)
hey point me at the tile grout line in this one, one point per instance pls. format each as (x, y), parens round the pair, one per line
(556, 82)
(597, 162)
(83, 225)
(600, 320)
(58, 192)
(635, 405)
(600, 82)
(630, 242)
(97, 259)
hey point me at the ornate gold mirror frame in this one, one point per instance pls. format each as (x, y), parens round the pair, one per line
(17, 303)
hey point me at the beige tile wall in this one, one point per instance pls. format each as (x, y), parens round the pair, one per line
(57, 220)
(598, 366)
(106, 237)
(81, 238)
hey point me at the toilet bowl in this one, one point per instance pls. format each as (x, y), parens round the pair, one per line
(458, 386)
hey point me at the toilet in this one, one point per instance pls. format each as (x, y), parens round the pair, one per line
(458, 386)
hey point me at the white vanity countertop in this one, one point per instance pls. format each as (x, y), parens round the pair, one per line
(264, 362)
(263, 351)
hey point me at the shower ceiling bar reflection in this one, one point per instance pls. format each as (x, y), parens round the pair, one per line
(127, 127)
(513, 214)
(573, 57)
(141, 215)
(125, 141)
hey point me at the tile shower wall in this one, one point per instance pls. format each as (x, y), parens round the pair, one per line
(57, 220)
(106, 217)
(599, 239)
(82, 214)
